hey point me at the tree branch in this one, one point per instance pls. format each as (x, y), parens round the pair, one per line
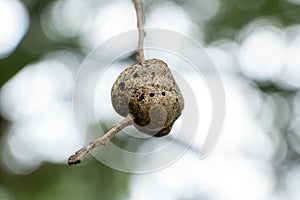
(138, 4)
(79, 155)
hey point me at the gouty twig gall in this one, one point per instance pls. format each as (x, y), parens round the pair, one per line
(145, 94)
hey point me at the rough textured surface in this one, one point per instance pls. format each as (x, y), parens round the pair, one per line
(149, 93)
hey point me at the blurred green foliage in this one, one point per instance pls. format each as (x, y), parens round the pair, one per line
(56, 182)
(237, 13)
(233, 15)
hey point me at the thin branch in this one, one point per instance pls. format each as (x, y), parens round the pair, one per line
(138, 4)
(79, 155)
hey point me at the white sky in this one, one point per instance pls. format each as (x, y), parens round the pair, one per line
(14, 23)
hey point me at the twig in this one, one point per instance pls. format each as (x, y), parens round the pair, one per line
(138, 4)
(79, 155)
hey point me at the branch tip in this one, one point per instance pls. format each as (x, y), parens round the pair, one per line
(80, 154)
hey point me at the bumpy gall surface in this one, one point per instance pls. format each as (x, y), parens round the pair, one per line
(148, 92)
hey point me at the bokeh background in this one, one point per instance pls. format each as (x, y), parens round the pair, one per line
(255, 45)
